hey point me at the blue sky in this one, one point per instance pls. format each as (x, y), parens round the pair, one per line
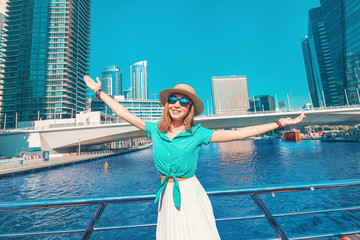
(191, 41)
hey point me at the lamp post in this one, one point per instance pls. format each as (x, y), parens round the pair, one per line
(292, 106)
(312, 105)
(346, 97)
(288, 101)
(5, 123)
(207, 105)
(324, 101)
(254, 104)
(79, 148)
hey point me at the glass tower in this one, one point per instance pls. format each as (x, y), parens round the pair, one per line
(46, 57)
(111, 80)
(139, 83)
(262, 103)
(230, 95)
(127, 93)
(332, 53)
(2, 45)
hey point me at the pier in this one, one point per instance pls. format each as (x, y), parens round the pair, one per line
(20, 165)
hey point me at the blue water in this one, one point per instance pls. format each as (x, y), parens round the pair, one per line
(241, 163)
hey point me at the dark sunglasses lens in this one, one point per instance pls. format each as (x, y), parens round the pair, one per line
(184, 102)
(172, 100)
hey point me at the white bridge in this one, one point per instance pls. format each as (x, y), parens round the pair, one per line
(55, 139)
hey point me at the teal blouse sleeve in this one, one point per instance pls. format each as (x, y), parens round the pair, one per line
(205, 134)
(151, 128)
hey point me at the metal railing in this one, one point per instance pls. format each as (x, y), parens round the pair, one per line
(253, 191)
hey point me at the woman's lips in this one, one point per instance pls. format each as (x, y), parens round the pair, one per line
(175, 111)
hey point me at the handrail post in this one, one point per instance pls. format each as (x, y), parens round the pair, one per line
(269, 217)
(93, 221)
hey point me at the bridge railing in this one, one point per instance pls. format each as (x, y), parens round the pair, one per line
(79, 124)
(254, 192)
(284, 110)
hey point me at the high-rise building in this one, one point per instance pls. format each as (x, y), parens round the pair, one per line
(262, 103)
(2, 47)
(230, 95)
(139, 81)
(111, 80)
(46, 57)
(332, 53)
(2, 20)
(313, 74)
(127, 93)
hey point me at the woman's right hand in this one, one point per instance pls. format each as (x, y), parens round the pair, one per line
(92, 84)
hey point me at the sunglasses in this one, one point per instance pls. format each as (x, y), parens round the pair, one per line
(184, 102)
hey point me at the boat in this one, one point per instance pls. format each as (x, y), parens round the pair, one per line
(339, 139)
(337, 136)
(291, 136)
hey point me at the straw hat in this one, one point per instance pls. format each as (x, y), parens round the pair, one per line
(186, 90)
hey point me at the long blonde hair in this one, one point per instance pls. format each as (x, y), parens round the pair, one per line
(165, 121)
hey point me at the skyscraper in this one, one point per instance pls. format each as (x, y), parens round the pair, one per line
(111, 80)
(2, 46)
(332, 53)
(139, 81)
(127, 93)
(230, 95)
(262, 103)
(46, 57)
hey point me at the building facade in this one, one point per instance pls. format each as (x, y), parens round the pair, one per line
(139, 81)
(332, 53)
(262, 103)
(146, 109)
(46, 57)
(127, 93)
(230, 95)
(2, 47)
(111, 80)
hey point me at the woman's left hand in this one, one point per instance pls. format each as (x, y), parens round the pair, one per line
(291, 121)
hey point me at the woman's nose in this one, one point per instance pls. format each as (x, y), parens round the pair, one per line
(177, 104)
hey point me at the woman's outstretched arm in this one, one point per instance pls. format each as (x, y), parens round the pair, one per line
(232, 135)
(117, 108)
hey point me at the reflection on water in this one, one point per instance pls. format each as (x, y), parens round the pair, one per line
(234, 164)
(235, 157)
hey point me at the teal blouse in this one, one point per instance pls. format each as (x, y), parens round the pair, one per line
(177, 157)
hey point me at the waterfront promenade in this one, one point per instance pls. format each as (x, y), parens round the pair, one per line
(19, 165)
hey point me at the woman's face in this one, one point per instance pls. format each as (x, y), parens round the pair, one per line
(176, 111)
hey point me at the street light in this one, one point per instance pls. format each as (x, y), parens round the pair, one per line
(292, 106)
(79, 147)
(312, 105)
(254, 104)
(5, 123)
(347, 100)
(324, 101)
(289, 101)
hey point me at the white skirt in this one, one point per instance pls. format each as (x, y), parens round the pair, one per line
(195, 219)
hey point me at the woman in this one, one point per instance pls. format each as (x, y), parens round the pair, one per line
(185, 211)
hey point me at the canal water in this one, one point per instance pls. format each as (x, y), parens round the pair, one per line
(234, 164)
